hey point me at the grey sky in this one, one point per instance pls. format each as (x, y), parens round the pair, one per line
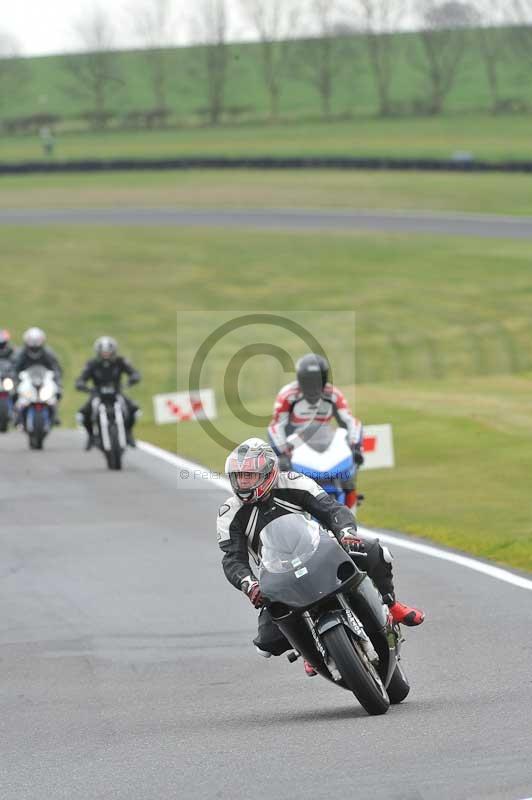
(48, 26)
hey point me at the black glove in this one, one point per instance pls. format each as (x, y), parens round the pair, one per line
(285, 462)
(358, 457)
(133, 380)
(350, 540)
(82, 387)
(285, 458)
(251, 588)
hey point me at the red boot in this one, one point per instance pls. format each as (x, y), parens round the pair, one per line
(351, 499)
(406, 615)
(309, 669)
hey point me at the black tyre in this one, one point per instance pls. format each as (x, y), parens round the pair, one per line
(114, 455)
(398, 688)
(4, 416)
(359, 675)
(38, 433)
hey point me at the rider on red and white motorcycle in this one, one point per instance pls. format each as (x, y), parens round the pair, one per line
(312, 399)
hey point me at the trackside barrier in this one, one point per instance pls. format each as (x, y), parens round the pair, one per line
(264, 163)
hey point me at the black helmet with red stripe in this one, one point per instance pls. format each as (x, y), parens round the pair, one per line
(253, 469)
(312, 374)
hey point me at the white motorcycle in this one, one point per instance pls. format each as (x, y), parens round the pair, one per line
(323, 453)
(38, 395)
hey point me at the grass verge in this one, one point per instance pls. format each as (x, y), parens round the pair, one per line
(443, 348)
(471, 193)
(485, 136)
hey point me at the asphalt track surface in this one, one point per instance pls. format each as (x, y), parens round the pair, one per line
(488, 226)
(127, 670)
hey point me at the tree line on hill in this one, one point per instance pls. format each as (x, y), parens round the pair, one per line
(317, 42)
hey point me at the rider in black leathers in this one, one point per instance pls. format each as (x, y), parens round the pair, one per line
(7, 351)
(260, 494)
(107, 369)
(35, 353)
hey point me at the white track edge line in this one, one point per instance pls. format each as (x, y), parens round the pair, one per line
(424, 549)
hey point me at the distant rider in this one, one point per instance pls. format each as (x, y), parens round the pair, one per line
(312, 399)
(33, 353)
(262, 493)
(107, 369)
(7, 351)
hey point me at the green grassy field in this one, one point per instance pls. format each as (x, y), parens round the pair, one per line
(442, 351)
(482, 193)
(483, 135)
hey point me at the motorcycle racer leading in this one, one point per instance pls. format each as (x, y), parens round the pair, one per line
(262, 493)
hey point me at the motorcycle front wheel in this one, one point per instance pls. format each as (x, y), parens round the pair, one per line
(38, 431)
(114, 454)
(359, 675)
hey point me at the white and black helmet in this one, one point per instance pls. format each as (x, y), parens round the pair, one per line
(312, 374)
(106, 348)
(34, 339)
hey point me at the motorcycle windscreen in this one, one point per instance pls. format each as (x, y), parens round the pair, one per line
(37, 375)
(301, 563)
(288, 542)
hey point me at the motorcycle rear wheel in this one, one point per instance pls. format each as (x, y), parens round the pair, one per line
(359, 676)
(398, 688)
(4, 416)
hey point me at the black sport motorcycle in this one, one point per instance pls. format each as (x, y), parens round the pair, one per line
(331, 612)
(108, 424)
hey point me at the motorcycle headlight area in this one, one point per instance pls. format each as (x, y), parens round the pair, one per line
(8, 384)
(47, 393)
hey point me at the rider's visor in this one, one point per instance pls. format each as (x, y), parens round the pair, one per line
(249, 473)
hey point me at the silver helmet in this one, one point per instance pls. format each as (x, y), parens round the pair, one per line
(106, 348)
(34, 340)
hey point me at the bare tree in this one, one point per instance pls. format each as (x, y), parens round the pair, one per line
(379, 19)
(94, 73)
(13, 71)
(443, 40)
(519, 15)
(274, 22)
(491, 37)
(212, 25)
(321, 60)
(155, 25)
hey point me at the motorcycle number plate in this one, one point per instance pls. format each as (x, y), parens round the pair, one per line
(300, 572)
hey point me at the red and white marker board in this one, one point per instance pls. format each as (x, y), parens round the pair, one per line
(184, 406)
(378, 447)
